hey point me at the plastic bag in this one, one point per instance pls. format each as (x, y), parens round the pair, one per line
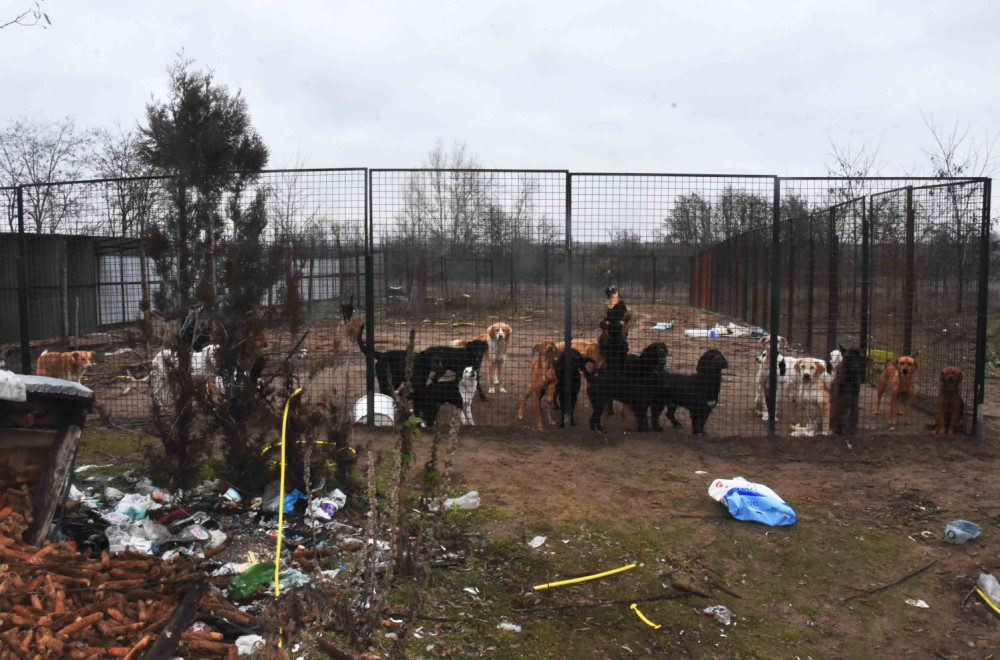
(989, 586)
(960, 531)
(749, 501)
(248, 644)
(249, 580)
(134, 506)
(468, 501)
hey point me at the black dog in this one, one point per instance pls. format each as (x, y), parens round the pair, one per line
(390, 366)
(845, 392)
(698, 392)
(429, 396)
(347, 309)
(457, 359)
(630, 383)
(577, 364)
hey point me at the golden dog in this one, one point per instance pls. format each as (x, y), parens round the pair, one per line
(543, 379)
(899, 377)
(68, 366)
(813, 396)
(950, 404)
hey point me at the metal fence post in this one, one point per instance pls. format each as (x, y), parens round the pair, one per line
(811, 298)
(982, 308)
(652, 255)
(22, 284)
(791, 279)
(772, 376)
(866, 224)
(909, 281)
(567, 396)
(369, 302)
(833, 286)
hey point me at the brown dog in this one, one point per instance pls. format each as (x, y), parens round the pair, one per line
(543, 378)
(950, 405)
(68, 366)
(899, 377)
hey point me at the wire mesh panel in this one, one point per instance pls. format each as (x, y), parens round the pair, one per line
(472, 261)
(873, 265)
(688, 256)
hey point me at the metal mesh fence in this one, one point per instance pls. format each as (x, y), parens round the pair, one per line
(496, 268)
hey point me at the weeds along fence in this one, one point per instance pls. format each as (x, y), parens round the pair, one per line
(891, 266)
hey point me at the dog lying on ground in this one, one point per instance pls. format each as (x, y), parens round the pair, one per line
(812, 396)
(845, 390)
(628, 382)
(543, 376)
(950, 407)
(698, 392)
(68, 366)
(899, 377)
(576, 364)
(497, 338)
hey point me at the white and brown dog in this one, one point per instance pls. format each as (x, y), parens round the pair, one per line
(497, 337)
(785, 375)
(813, 396)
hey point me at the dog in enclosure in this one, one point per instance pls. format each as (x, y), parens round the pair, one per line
(630, 382)
(353, 325)
(204, 369)
(68, 366)
(812, 396)
(543, 376)
(467, 386)
(950, 406)
(899, 377)
(698, 392)
(845, 389)
(762, 380)
(576, 364)
(497, 337)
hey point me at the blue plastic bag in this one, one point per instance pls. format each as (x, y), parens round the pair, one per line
(291, 499)
(754, 502)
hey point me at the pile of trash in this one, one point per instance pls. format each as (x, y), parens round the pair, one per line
(61, 603)
(728, 330)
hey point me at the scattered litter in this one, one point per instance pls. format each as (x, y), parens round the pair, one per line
(250, 580)
(536, 542)
(134, 506)
(960, 531)
(112, 494)
(248, 644)
(325, 508)
(720, 613)
(749, 501)
(471, 590)
(663, 325)
(700, 472)
(585, 578)
(90, 467)
(917, 603)
(510, 627)
(654, 626)
(468, 501)
(232, 495)
(989, 590)
(730, 330)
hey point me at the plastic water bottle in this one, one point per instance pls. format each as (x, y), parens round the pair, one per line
(960, 531)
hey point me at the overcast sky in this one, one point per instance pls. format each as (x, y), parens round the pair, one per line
(734, 87)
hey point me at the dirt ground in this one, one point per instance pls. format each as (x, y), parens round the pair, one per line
(871, 510)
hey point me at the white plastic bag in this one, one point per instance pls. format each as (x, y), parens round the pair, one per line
(468, 501)
(134, 506)
(749, 501)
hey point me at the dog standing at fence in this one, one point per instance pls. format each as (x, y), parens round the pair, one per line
(497, 338)
(845, 390)
(899, 377)
(950, 407)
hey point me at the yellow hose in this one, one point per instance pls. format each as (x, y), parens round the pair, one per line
(988, 601)
(281, 498)
(584, 579)
(654, 626)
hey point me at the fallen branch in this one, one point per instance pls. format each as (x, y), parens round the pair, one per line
(605, 603)
(891, 584)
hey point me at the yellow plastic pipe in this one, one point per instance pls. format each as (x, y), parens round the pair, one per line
(654, 626)
(583, 579)
(281, 493)
(988, 601)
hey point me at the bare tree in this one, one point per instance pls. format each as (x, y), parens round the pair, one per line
(690, 222)
(955, 153)
(130, 192)
(40, 153)
(30, 17)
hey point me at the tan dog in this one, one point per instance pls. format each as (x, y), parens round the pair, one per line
(497, 337)
(950, 405)
(813, 397)
(899, 377)
(543, 378)
(68, 366)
